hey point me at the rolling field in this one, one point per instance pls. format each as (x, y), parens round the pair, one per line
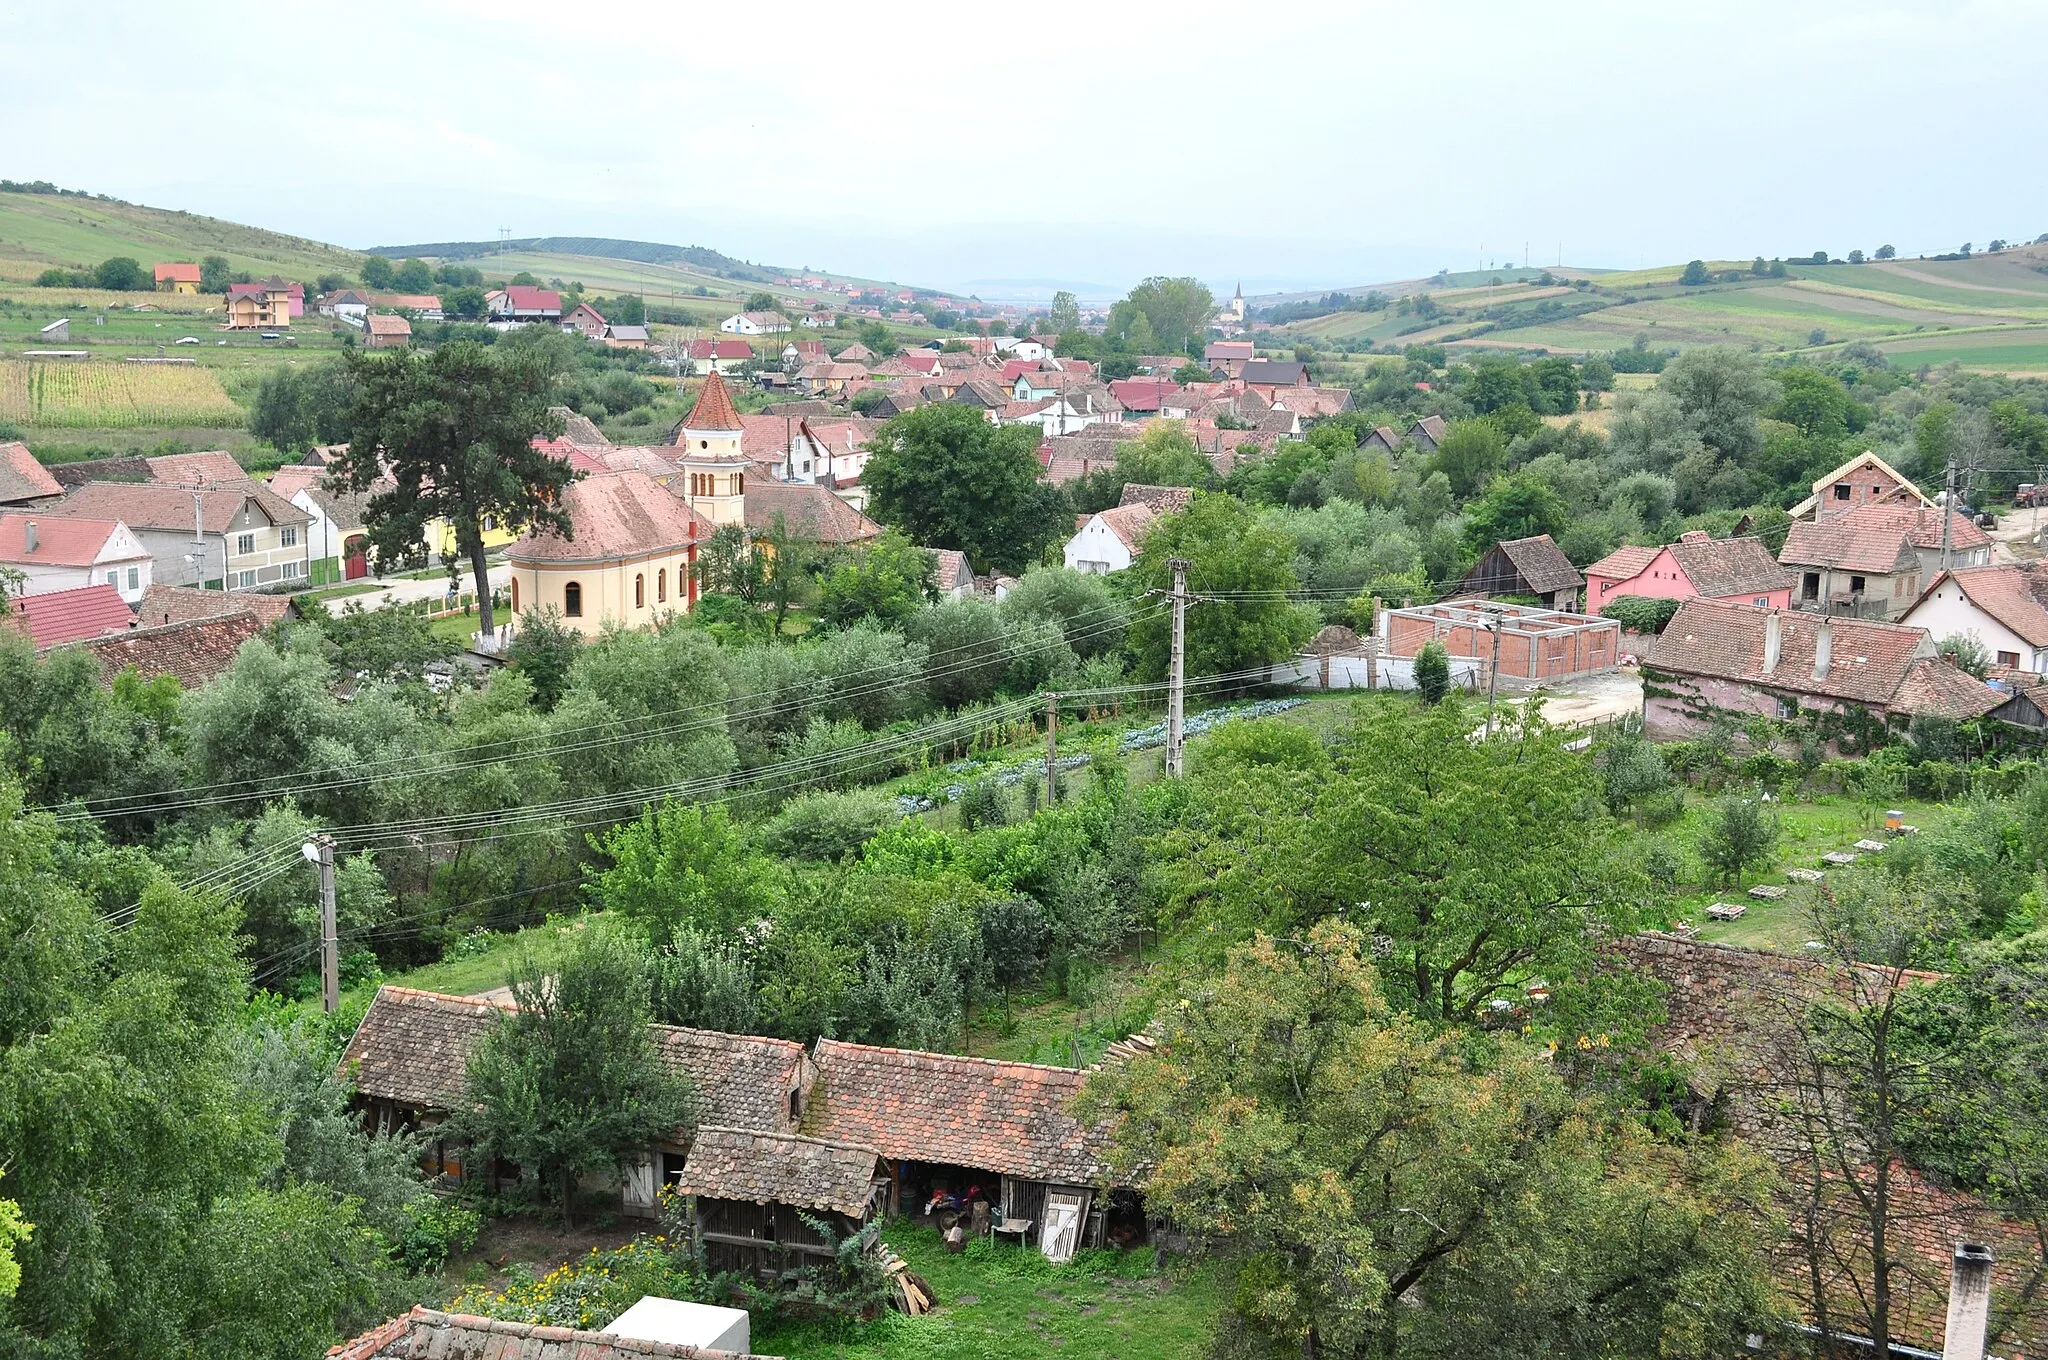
(2005, 350)
(70, 394)
(38, 231)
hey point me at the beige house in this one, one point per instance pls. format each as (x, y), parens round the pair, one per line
(631, 563)
(232, 537)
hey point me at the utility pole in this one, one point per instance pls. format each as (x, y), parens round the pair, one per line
(1493, 669)
(1948, 509)
(1052, 749)
(321, 851)
(1177, 673)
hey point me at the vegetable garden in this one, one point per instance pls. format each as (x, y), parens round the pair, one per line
(72, 394)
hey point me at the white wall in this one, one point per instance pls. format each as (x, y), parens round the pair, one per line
(1095, 549)
(1354, 672)
(1947, 612)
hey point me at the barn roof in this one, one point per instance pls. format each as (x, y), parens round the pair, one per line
(780, 1168)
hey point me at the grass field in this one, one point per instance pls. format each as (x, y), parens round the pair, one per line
(38, 231)
(72, 393)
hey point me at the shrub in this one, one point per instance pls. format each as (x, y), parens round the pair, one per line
(1640, 613)
(827, 826)
(1433, 672)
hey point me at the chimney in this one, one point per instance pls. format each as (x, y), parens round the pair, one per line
(1774, 641)
(1695, 536)
(1823, 648)
(28, 537)
(1969, 1303)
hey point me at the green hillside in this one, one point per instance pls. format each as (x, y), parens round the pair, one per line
(1988, 312)
(43, 231)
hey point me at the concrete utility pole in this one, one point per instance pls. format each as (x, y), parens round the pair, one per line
(321, 851)
(1948, 509)
(1052, 749)
(1493, 670)
(1177, 673)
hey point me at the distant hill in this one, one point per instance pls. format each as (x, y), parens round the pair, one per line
(43, 230)
(600, 247)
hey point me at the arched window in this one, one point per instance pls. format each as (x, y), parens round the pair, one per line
(515, 594)
(639, 590)
(661, 586)
(572, 600)
(739, 483)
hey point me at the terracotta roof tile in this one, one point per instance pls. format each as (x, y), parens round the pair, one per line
(177, 271)
(1626, 562)
(1006, 1117)
(2016, 596)
(213, 469)
(1164, 500)
(62, 616)
(812, 514)
(378, 323)
(1720, 567)
(1541, 563)
(714, 409)
(192, 652)
(1938, 688)
(1877, 537)
(154, 505)
(615, 515)
(23, 477)
(163, 604)
(424, 1334)
(780, 1168)
(61, 540)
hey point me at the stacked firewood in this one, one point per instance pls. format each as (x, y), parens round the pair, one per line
(911, 1294)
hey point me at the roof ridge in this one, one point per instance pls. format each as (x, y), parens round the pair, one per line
(840, 1144)
(951, 1057)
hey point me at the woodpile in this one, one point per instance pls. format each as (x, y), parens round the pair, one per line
(910, 1293)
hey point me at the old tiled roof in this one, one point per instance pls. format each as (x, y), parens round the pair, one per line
(855, 353)
(1875, 538)
(1129, 523)
(154, 505)
(1936, 687)
(61, 541)
(1387, 435)
(1164, 500)
(741, 1080)
(1729, 566)
(377, 323)
(1228, 349)
(1431, 426)
(980, 392)
(656, 460)
(1869, 662)
(811, 514)
(189, 469)
(580, 429)
(23, 477)
(424, 1334)
(345, 510)
(182, 604)
(290, 480)
(1006, 1117)
(615, 515)
(780, 1168)
(714, 409)
(1150, 394)
(61, 616)
(1541, 563)
(1626, 562)
(192, 652)
(2016, 596)
(1315, 402)
(1273, 372)
(953, 569)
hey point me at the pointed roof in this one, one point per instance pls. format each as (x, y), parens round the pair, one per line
(714, 409)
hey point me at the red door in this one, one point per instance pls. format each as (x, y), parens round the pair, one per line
(356, 562)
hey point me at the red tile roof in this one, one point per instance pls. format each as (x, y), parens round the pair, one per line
(154, 505)
(527, 298)
(178, 271)
(183, 604)
(192, 652)
(214, 468)
(1005, 1117)
(1876, 537)
(1721, 567)
(780, 1168)
(69, 615)
(615, 515)
(714, 409)
(1624, 563)
(23, 476)
(1128, 522)
(60, 540)
(811, 514)
(2016, 596)
(425, 1332)
(378, 323)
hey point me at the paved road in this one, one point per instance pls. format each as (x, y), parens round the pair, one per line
(401, 590)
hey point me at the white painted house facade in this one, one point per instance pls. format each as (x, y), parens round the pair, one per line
(1109, 540)
(1997, 606)
(55, 553)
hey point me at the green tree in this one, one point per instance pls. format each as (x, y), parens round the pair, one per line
(1520, 505)
(1376, 1189)
(464, 304)
(1162, 315)
(1433, 673)
(452, 430)
(377, 272)
(1886, 253)
(685, 865)
(1723, 391)
(1065, 314)
(762, 302)
(887, 581)
(413, 276)
(120, 274)
(1089, 614)
(570, 1084)
(1695, 274)
(213, 274)
(14, 1230)
(1471, 453)
(949, 479)
(1741, 834)
(1228, 551)
(544, 651)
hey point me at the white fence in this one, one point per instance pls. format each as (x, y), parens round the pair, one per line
(1368, 672)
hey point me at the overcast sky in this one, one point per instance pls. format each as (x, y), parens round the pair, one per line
(1006, 149)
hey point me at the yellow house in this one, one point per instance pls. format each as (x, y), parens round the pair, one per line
(711, 468)
(631, 563)
(178, 277)
(253, 305)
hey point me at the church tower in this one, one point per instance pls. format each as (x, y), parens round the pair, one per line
(1237, 304)
(714, 470)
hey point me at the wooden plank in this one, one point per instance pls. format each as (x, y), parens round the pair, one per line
(736, 1240)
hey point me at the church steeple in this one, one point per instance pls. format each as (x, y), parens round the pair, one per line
(713, 465)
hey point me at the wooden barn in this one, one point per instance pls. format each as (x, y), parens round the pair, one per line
(1527, 567)
(750, 1193)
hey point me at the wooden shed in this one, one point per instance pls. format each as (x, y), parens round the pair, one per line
(750, 1193)
(1524, 566)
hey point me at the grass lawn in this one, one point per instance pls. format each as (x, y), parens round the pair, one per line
(342, 592)
(1807, 830)
(1011, 1302)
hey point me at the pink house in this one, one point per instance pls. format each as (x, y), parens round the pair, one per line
(1697, 566)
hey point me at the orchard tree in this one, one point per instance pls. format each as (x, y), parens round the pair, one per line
(214, 274)
(377, 272)
(949, 479)
(1248, 565)
(453, 429)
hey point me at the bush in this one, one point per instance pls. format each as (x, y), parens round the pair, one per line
(1640, 613)
(435, 1229)
(1433, 672)
(827, 826)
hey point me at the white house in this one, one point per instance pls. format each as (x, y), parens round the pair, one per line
(830, 454)
(54, 554)
(754, 323)
(2001, 607)
(1109, 541)
(1014, 348)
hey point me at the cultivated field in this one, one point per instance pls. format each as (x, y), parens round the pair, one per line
(70, 394)
(38, 231)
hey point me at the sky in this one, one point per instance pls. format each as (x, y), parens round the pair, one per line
(1007, 150)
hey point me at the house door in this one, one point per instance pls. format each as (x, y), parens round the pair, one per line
(356, 559)
(640, 1185)
(1062, 1232)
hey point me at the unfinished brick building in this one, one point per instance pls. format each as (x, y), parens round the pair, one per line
(1535, 644)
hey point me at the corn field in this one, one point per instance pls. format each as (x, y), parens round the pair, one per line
(76, 394)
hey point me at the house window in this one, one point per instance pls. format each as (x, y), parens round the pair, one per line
(245, 580)
(135, 578)
(739, 483)
(2011, 659)
(661, 586)
(572, 600)
(1761, 600)
(294, 569)
(1787, 708)
(288, 535)
(1842, 490)
(515, 594)
(244, 544)
(1857, 585)
(639, 590)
